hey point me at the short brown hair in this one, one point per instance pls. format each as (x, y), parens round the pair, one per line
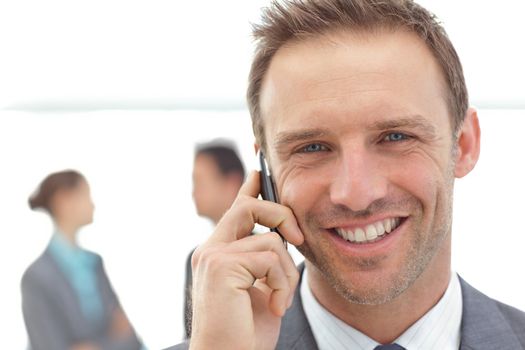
(298, 19)
(224, 154)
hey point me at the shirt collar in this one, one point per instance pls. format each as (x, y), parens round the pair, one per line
(438, 329)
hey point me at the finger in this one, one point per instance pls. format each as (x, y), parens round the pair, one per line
(266, 265)
(240, 220)
(251, 187)
(238, 272)
(256, 243)
(270, 242)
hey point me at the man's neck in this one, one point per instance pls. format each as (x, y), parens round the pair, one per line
(385, 322)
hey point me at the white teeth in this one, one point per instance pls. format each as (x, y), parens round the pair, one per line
(371, 232)
(380, 228)
(359, 235)
(388, 225)
(347, 235)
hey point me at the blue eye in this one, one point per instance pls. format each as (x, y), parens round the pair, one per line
(395, 137)
(313, 147)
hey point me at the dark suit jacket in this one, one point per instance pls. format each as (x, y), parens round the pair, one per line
(52, 313)
(187, 297)
(486, 325)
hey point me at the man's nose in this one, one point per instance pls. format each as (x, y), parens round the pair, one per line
(358, 181)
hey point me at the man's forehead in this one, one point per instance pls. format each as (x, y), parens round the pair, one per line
(342, 65)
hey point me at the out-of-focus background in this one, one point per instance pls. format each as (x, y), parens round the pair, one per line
(123, 90)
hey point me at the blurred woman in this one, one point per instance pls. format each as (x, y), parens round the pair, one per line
(67, 300)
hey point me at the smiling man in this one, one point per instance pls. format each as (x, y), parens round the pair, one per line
(362, 111)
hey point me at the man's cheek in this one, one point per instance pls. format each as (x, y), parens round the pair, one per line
(290, 197)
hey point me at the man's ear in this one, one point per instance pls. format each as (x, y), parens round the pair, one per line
(467, 144)
(256, 147)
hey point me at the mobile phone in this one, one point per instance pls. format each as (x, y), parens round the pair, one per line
(268, 191)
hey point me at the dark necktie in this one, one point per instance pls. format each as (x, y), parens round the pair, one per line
(389, 347)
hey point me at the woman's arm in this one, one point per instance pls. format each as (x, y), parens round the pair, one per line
(44, 324)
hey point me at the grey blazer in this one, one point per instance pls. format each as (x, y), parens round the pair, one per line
(52, 314)
(486, 325)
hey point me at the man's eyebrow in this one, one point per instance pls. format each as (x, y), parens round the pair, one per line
(413, 122)
(285, 138)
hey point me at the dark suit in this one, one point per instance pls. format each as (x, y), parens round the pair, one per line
(486, 325)
(187, 297)
(53, 315)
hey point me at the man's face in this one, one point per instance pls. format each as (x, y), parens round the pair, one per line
(208, 186)
(360, 143)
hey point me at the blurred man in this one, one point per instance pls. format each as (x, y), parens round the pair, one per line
(218, 174)
(362, 111)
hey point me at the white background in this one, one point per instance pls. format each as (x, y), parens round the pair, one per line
(122, 91)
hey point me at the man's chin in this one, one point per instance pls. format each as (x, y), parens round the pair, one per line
(366, 287)
(365, 293)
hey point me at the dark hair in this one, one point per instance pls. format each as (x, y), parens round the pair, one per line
(300, 19)
(63, 180)
(224, 155)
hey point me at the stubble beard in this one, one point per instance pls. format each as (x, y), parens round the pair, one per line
(424, 245)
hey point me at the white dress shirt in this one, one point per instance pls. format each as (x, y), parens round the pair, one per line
(438, 329)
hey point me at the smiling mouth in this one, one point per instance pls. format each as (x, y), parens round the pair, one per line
(370, 233)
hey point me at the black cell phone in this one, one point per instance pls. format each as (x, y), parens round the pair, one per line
(268, 191)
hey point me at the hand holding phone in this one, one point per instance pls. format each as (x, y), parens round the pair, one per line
(252, 276)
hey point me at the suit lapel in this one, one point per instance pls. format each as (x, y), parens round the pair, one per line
(483, 326)
(295, 330)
